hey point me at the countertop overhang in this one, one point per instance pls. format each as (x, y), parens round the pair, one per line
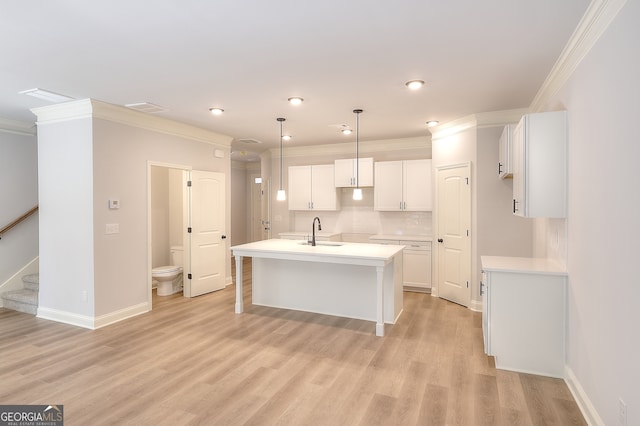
(327, 252)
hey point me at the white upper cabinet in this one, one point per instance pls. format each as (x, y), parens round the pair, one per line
(312, 188)
(540, 165)
(403, 186)
(346, 173)
(505, 152)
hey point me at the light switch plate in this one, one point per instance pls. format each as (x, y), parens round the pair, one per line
(112, 228)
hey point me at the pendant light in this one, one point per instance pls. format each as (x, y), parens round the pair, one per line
(281, 196)
(357, 192)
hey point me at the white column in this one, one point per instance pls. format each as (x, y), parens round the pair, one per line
(380, 300)
(239, 304)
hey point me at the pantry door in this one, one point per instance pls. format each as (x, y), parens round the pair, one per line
(205, 270)
(454, 233)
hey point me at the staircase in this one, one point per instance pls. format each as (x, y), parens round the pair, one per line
(25, 300)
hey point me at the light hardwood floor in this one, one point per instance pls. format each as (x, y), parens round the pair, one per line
(194, 361)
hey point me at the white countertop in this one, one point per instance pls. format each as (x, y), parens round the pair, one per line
(522, 264)
(401, 237)
(324, 251)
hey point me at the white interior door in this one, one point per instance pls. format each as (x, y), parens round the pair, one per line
(453, 233)
(207, 239)
(256, 208)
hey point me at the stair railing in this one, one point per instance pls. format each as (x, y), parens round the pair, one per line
(18, 220)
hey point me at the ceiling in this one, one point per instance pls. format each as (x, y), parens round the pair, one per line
(248, 57)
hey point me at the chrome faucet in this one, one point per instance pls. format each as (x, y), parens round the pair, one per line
(313, 230)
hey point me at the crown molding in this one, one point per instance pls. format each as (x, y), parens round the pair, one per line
(346, 148)
(91, 108)
(17, 127)
(480, 120)
(593, 24)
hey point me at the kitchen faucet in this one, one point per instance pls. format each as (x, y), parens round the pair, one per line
(313, 230)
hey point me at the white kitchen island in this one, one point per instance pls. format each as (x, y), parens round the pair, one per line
(353, 280)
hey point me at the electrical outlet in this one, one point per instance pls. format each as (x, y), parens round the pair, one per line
(622, 412)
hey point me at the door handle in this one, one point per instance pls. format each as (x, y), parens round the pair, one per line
(440, 240)
(224, 237)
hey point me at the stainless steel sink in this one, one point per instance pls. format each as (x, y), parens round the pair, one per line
(322, 243)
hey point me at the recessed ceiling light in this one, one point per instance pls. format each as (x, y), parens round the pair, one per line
(216, 111)
(286, 137)
(346, 131)
(414, 84)
(432, 123)
(295, 100)
(46, 95)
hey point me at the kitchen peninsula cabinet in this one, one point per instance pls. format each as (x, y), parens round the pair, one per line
(523, 314)
(346, 171)
(540, 165)
(402, 185)
(312, 188)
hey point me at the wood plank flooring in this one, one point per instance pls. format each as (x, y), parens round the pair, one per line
(195, 362)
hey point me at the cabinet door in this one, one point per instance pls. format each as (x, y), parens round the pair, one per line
(323, 189)
(387, 192)
(517, 168)
(299, 187)
(504, 153)
(417, 185)
(365, 171)
(539, 165)
(344, 174)
(416, 268)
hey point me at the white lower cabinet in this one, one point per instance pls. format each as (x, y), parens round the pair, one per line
(416, 263)
(523, 314)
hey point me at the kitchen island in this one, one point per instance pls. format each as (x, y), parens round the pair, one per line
(353, 280)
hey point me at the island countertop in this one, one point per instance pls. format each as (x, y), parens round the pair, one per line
(324, 251)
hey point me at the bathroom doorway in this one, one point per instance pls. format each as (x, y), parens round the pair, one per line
(186, 215)
(167, 212)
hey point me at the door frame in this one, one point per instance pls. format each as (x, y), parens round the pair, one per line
(436, 261)
(149, 229)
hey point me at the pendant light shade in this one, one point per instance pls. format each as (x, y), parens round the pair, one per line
(281, 195)
(357, 192)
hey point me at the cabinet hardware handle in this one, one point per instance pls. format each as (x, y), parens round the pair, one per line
(514, 205)
(481, 288)
(499, 167)
(440, 240)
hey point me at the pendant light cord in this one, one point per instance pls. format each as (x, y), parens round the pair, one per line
(357, 112)
(280, 119)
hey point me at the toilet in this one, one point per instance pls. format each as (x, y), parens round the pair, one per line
(168, 279)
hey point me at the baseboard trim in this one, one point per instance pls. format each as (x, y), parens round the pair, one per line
(122, 314)
(92, 323)
(476, 305)
(65, 317)
(15, 282)
(582, 399)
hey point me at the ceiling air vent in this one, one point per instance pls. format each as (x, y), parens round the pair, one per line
(146, 107)
(249, 140)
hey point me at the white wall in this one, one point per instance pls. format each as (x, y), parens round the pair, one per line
(65, 180)
(121, 260)
(239, 204)
(18, 194)
(160, 218)
(602, 224)
(84, 162)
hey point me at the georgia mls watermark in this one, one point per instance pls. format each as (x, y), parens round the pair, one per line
(31, 415)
